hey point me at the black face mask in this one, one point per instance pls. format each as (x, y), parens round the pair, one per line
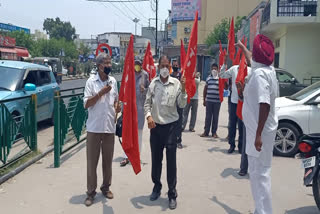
(175, 69)
(107, 70)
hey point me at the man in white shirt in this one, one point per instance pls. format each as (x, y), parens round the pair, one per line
(100, 98)
(233, 118)
(164, 95)
(261, 121)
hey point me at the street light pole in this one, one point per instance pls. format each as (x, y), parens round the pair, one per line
(135, 20)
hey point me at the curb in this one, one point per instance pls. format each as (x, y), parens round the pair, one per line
(24, 166)
(74, 78)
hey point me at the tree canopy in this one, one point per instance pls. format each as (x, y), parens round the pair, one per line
(59, 29)
(221, 31)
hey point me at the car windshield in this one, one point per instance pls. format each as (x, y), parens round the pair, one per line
(305, 92)
(10, 77)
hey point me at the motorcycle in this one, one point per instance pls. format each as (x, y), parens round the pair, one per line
(309, 147)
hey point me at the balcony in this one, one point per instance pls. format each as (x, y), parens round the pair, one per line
(297, 8)
(278, 13)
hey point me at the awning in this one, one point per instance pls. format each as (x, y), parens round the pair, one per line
(8, 50)
(22, 52)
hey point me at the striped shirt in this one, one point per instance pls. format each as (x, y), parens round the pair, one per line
(212, 90)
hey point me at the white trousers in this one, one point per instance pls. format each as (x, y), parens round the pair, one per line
(140, 133)
(260, 181)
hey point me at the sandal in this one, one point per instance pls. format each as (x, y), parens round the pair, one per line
(124, 162)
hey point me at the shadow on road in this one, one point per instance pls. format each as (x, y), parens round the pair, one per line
(79, 200)
(228, 209)
(70, 153)
(232, 172)
(225, 151)
(304, 210)
(139, 202)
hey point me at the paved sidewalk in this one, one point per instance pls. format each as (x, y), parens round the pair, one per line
(207, 182)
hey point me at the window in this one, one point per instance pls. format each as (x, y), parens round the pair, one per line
(284, 77)
(31, 78)
(44, 77)
(276, 60)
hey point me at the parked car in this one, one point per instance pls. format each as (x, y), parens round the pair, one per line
(298, 114)
(288, 84)
(20, 79)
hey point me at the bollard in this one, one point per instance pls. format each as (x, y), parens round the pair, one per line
(57, 124)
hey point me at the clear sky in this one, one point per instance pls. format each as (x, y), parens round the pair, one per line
(89, 18)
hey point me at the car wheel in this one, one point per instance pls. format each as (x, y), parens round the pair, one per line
(286, 142)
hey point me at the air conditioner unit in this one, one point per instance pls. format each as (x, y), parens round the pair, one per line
(187, 30)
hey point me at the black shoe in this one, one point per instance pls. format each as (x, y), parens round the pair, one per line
(242, 173)
(231, 150)
(180, 146)
(154, 196)
(89, 201)
(172, 204)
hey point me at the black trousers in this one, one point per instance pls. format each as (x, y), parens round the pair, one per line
(179, 130)
(164, 136)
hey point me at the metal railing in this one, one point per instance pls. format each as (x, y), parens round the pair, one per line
(311, 80)
(69, 122)
(297, 8)
(18, 133)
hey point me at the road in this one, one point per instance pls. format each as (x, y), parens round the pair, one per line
(207, 181)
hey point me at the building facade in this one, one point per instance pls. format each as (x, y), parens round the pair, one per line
(212, 12)
(294, 27)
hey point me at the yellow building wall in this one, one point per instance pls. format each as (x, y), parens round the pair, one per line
(213, 11)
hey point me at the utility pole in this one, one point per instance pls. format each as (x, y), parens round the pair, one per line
(156, 27)
(135, 20)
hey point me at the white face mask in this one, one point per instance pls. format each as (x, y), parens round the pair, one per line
(164, 72)
(214, 73)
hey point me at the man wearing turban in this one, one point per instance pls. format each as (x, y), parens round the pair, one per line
(260, 119)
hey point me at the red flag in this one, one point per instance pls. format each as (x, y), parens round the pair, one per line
(242, 73)
(148, 63)
(127, 95)
(238, 56)
(231, 41)
(221, 81)
(182, 55)
(189, 67)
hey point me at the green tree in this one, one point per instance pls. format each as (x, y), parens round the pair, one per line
(58, 29)
(221, 31)
(84, 50)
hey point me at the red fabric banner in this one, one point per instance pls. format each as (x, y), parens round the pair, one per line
(231, 41)
(127, 95)
(148, 63)
(189, 67)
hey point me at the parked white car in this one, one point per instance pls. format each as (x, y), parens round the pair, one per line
(298, 114)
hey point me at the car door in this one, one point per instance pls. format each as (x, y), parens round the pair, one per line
(46, 90)
(33, 77)
(314, 117)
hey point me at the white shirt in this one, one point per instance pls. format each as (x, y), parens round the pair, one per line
(232, 73)
(102, 114)
(163, 99)
(262, 87)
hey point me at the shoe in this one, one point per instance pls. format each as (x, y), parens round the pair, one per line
(108, 194)
(89, 201)
(180, 146)
(231, 150)
(124, 162)
(172, 204)
(204, 135)
(154, 196)
(215, 136)
(242, 173)
(192, 130)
